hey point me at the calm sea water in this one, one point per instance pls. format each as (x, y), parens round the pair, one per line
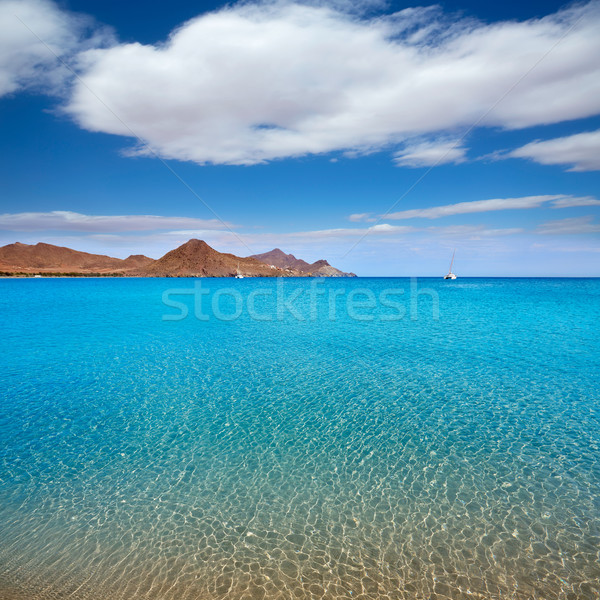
(308, 452)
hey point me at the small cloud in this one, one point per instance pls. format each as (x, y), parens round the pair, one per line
(576, 225)
(431, 154)
(581, 151)
(381, 229)
(569, 202)
(387, 228)
(505, 231)
(362, 218)
(474, 231)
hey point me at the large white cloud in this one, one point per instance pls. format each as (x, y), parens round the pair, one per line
(580, 151)
(256, 82)
(36, 37)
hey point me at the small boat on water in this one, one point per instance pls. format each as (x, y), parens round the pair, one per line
(451, 275)
(238, 275)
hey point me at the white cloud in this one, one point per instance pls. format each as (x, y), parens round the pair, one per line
(581, 151)
(474, 231)
(60, 220)
(342, 235)
(479, 206)
(569, 201)
(32, 34)
(431, 153)
(256, 82)
(361, 217)
(345, 233)
(119, 229)
(576, 225)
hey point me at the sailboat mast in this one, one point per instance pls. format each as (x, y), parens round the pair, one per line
(452, 261)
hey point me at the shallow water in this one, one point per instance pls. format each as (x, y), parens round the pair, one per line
(329, 457)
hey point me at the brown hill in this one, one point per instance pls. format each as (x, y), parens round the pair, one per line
(46, 258)
(278, 258)
(137, 261)
(196, 258)
(320, 268)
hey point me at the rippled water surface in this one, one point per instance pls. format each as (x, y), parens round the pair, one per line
(329, 457)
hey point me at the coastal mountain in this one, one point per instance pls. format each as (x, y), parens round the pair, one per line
(195, 258)
(46, 258)
(320, 268)
(280, 259)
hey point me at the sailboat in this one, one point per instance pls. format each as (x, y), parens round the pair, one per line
(451, 275)
(238, 275)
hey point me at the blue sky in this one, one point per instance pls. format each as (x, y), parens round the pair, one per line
(380, 136)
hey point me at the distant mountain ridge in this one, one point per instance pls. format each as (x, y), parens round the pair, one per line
(195, 258)
(320, 268)
(280, 259)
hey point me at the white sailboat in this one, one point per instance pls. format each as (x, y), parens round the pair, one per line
(238, 275)
(451, 275)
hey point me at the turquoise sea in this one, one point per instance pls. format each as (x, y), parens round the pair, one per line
(296, 447)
